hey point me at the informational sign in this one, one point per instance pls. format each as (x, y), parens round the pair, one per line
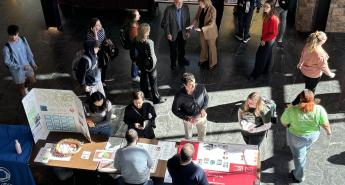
(54, 110)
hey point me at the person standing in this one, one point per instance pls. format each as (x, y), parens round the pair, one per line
(205, 23)
(269, 32)
(131, 27)
(96, 32)
(244, 11)
(282, 7)
(314, 62)
(88, 72)
(140, 116)
(219, 6)
(19, 60)
(303, 123)
(190, 104)
(176, 19)
(182, 169)
(255, 116)
(133, 162)
(147, 60)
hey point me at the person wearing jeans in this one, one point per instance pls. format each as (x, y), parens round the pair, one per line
(282, 7)
(190, 105)
(303, 124)
(245, 9)
(314, 62)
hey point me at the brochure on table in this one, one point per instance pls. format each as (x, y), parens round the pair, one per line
(54, 110)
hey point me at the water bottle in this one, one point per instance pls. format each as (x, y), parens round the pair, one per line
(18, 147)
(247, 6)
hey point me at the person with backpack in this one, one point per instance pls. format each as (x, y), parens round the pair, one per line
(96, 32)
(147, 60)
(255, 117)
(19, 60)
(127, 36)
(88, 72)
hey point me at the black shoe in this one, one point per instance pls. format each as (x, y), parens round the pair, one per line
(172, 67)
(280, 45)
(238, 37)
(293, 178)
(161, 100)
(203, 64)
(247, 39)
(210, 68)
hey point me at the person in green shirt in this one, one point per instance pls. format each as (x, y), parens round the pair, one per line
(303, 122)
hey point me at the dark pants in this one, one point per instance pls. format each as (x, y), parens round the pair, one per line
(177, 49)
(310, 83)
(103, 73)
(149, 80)
(243, 22)
(134, 68)
(253, 139)
(263, 59)
(219, 5)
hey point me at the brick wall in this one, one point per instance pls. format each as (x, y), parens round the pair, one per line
(305, 15)
(336, 16)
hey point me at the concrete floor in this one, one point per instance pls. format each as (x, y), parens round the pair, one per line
(227, 84)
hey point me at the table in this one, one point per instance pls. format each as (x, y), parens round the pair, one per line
(226, 2)
(75, 162)
(14, 168)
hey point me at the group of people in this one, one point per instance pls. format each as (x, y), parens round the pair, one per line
(303, 118)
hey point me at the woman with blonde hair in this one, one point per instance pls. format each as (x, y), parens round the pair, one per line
(255, 116)
(205, 23)
(303, 123)
(147, 60)
(313, 62)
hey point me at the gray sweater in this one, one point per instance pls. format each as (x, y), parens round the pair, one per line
(134, 163)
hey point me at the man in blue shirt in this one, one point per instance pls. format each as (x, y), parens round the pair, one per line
(19, 60)
(182, 169)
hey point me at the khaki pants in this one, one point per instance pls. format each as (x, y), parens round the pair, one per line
(200, 124)
(208, 50)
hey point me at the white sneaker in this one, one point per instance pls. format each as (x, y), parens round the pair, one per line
(136, 79)
(26, 90)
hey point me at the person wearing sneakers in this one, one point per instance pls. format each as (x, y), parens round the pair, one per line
(263, 56)
(282, 7)
(19, 60)
(245, 9)
(313, 62)
(303, 123)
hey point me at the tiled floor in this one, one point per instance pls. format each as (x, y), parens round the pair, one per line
(227, 84)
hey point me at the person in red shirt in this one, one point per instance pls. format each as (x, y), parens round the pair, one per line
(269, 33)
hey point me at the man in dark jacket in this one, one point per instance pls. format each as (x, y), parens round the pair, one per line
(176, 19)
(183, 170)
(88, 73)
(190, 105)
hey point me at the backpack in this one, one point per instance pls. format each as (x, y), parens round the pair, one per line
(80, 54)
(144, 56)
(271, 105)
(124, 38)
(11, 50)
(108, 52)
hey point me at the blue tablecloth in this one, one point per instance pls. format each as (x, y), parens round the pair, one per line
(14, 168)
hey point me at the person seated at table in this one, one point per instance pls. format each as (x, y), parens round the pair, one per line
(133, 162)
(140, 115)
(98, 112)
(183, 170)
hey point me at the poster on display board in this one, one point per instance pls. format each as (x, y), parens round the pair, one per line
(226, 164)
(54, 110)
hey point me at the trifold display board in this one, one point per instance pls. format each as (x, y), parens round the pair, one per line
(54, 110)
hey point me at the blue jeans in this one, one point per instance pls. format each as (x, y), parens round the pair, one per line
(299, 146)
(103, 129)
(282, 23)
(134, 70)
